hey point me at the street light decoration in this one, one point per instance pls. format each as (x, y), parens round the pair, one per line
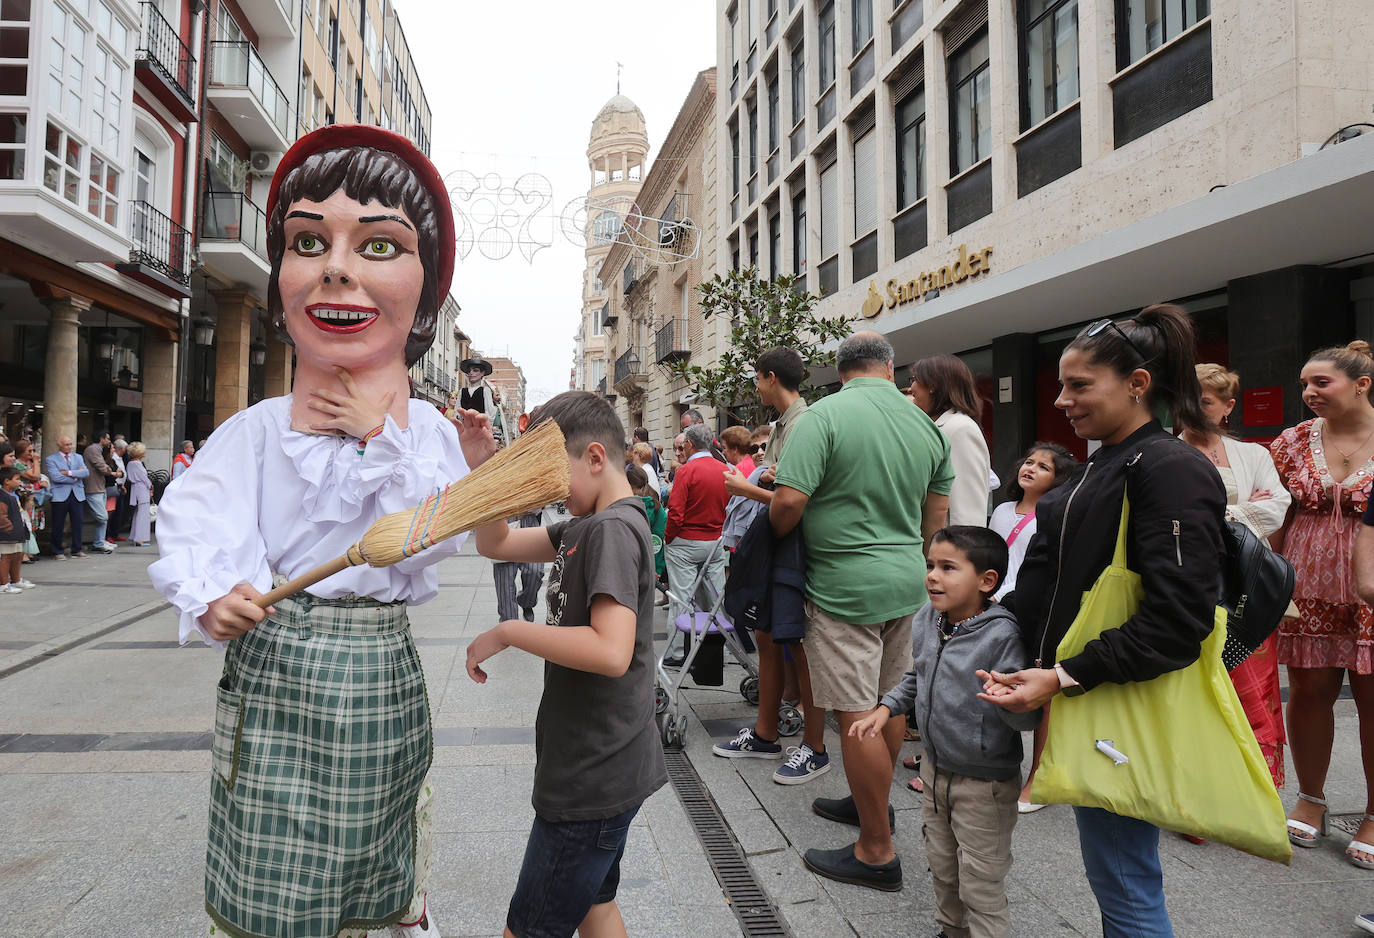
(203, 331)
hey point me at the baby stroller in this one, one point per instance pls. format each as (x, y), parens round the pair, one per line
(698, 623)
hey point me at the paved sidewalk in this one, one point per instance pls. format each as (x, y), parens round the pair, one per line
(104, 759)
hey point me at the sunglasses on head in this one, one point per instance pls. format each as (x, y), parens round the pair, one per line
(1094, 329)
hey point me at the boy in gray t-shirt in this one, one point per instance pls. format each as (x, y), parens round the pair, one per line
(597, 750)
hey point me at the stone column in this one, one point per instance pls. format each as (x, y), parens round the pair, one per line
(60, 369)
(278, 367)
(233, 333)
(159, 383)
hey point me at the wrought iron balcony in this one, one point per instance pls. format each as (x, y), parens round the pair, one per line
(631, 369)
(608, 316)
(161, 253)
(672, 343)
(165, 64)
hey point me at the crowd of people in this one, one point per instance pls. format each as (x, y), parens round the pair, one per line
(978, 635)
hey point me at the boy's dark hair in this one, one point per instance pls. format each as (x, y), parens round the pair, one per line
(584, 418)
(8, 472)
(983, 547)
(785, 364)
(1064, 463)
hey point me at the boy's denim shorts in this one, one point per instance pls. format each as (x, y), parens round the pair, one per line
(569, 867)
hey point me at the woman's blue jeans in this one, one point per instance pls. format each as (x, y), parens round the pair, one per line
(1121, 855)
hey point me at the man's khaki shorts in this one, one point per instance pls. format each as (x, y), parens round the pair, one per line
(853, 665)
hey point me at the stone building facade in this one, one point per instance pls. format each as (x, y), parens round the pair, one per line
(652, 274)
(984, 176)
(615, 155)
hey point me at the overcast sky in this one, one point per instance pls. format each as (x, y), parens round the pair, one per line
(513, 88)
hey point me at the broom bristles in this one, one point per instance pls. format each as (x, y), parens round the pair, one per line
(530, 474)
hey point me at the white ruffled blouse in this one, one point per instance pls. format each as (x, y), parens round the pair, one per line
(263, 499)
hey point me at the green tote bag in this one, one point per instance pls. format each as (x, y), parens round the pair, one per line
(1176, 751)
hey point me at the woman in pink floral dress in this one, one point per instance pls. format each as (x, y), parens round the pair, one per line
(1327, 463)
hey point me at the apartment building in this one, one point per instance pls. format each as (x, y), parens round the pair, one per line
(652, 315)
(983, 176)
(99, 103)
(616, 152)
(435, 376)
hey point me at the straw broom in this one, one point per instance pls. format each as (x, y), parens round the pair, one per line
(531, 473)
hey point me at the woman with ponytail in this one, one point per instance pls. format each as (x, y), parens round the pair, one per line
(1327, 463)
(1114, 378)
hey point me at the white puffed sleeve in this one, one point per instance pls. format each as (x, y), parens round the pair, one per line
(207, 524)
(413, 464)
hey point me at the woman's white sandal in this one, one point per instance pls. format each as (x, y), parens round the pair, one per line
(1303, 834)
(1357, 846)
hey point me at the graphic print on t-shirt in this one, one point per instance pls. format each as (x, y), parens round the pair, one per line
(556, 599)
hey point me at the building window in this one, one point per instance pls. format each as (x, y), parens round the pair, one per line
(107, 85)
(799, 234)
(226, 28)
(14, 54)
(1049, 49)
(753, 138)
(109, 26)
(1145, 25)
(798, 82)
(62, 164)
(826, 35)
(753, 248)
(865, 183)
(830, 212)
(333, 45)
(774, 245)
(66, 64)
(773, 126)
(104, 194)
(863, 24)
(911, 148)
(13, 137)
(970, 104)
(734, 158)
(606, 228)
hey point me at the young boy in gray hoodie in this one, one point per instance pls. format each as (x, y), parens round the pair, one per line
(972, 764)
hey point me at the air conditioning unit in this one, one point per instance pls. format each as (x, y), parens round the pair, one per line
(263, 162)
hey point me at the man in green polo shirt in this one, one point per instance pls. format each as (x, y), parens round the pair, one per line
(871, 475)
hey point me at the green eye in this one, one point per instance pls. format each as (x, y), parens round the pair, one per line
(308, 245)
(379, 249)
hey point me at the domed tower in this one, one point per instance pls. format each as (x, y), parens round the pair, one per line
(616, 153)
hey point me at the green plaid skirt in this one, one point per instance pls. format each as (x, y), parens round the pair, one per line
(322, 740)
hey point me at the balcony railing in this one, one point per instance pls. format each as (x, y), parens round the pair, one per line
(160, 243)
(632, 364)
(232, 216)
(162, 49)
(608, 316)
(238, 65)
(671, 342)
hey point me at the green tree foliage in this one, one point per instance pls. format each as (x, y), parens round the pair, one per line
(763, 314)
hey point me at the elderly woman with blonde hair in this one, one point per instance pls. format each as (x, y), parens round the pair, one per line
(140, 494)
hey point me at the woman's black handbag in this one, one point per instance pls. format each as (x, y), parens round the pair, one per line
(1257, 586)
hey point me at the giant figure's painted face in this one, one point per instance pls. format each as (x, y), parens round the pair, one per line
(350, 281)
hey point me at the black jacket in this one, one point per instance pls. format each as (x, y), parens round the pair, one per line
(766, 590)
(12, 527)
(1174, 542)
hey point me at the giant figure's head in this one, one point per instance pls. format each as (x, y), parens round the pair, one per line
(360, 237)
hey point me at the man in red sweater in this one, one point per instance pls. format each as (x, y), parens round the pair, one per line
(696, 514)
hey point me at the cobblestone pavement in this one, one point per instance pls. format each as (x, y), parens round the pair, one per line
(104, 759)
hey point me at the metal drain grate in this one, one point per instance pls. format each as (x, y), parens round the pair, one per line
(757, 915)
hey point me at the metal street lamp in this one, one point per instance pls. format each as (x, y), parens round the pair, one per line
(257, 353)
(203, 332)
(104, 345)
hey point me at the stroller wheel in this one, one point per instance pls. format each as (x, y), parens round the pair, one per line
(790, 720)
(661, 698)
(674, 731)
(749, 689)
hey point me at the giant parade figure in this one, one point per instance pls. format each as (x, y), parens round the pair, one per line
(319, 819)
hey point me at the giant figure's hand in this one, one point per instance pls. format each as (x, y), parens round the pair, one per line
(349, 412)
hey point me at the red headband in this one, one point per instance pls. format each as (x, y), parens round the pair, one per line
(336, 136)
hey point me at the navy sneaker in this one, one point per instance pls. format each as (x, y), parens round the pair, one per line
(802, 765)
(748, 746)
(845, 811)
(842, 866)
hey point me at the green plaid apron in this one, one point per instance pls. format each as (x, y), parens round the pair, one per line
(322, 740)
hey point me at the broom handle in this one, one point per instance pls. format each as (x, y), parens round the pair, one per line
(302, 581)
